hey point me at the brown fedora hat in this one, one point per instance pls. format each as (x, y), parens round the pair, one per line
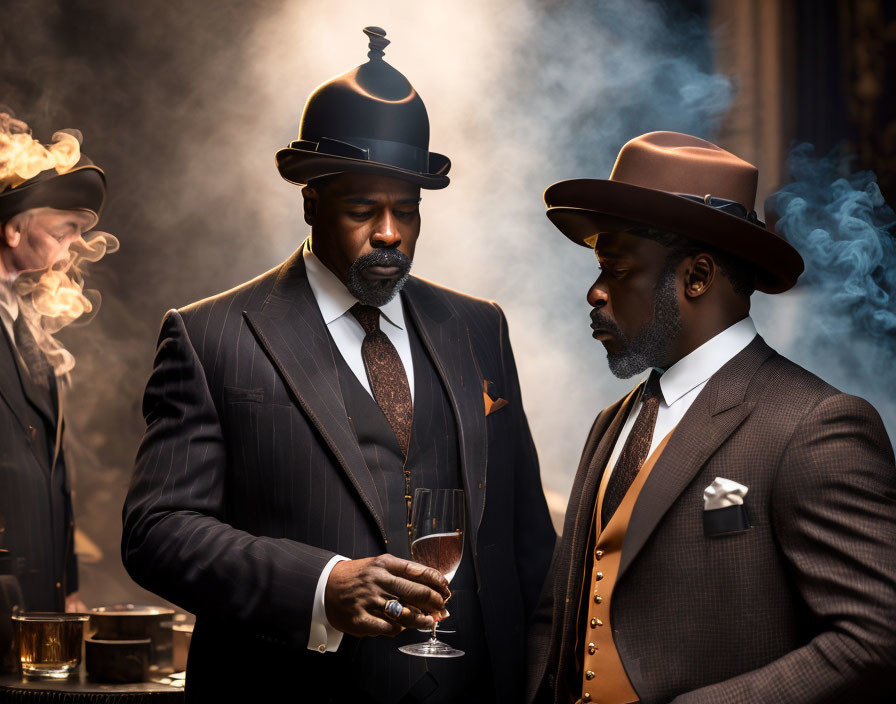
(682, 184)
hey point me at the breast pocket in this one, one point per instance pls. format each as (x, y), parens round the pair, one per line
(234, 394)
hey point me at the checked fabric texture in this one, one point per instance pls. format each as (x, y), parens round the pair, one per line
(386, 373)
(635, 450)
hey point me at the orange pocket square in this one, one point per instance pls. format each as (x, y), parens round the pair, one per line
(491, 405)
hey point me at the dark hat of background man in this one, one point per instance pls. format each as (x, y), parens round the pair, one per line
(681, 184)
(368, 120)
(82, 187)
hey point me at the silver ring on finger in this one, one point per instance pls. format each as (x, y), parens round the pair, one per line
(393, 608)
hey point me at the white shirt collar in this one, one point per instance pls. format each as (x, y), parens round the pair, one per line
(334, 299)
(696, 368)
(8, 301)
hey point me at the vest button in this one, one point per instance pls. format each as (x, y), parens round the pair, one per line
(586, 697)
(589, 674)
(598, 554)
(599, 576)
(599, 622)
(594, 623)
(592, 648)
(598, 598)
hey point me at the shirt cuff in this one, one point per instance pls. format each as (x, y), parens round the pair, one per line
(322, 636)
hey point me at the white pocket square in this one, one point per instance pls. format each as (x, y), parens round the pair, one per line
(723, 493)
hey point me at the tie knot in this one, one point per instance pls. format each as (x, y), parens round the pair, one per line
(368, 316)
(652, 388)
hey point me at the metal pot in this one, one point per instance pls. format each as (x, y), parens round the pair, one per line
(135, 622)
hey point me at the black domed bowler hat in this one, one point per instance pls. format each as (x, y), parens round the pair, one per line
(368, 120)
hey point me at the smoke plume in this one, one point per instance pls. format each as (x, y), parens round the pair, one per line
(842, 313)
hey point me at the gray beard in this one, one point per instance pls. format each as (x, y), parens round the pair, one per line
(652, 345)
(378, 293)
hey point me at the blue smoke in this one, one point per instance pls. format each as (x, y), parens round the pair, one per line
(841, 226)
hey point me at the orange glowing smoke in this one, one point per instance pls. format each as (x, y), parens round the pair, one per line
(22, 157)
(54, 298)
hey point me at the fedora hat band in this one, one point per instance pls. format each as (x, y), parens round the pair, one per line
(381, 151)
(732, 207)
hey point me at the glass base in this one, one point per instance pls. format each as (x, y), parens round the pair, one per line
(55, 671)
(431, 649)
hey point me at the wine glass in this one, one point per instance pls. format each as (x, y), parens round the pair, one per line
(437, 541)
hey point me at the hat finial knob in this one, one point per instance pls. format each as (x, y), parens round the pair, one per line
(378, 42)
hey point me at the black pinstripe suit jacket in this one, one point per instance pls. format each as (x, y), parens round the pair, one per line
(35, 500)
(250, 478)
(800, 607)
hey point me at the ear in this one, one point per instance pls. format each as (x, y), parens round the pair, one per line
(699, 275)
(311, 197)
(12, 236)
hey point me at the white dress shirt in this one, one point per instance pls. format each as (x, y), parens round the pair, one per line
(334, 301)
(683, 381)
(9, 308)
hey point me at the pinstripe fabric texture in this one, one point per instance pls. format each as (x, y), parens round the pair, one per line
(250, 477)
(35, 503)
(433, 462)
(797, 608)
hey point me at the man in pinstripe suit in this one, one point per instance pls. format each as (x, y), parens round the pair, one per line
(269, 494)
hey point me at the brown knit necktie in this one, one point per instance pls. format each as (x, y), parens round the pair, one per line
(38, 367)
(635, 450)
(386, 374)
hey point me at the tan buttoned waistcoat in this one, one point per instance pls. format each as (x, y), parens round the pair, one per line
(604, 680)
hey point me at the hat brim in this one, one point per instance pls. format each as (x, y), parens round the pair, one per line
(300, 166)
(582, 209)
(82, 188)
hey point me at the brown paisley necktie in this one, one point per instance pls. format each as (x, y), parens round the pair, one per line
(386, 374)
(635, 450)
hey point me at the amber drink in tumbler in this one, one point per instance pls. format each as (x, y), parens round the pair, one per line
(49, 643)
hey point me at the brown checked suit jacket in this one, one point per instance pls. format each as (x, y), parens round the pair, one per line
(798, 607)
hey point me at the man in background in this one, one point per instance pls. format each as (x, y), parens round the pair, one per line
(49, 197)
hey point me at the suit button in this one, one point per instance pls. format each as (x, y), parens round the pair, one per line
(32, 431)
(598, 598)
(589, 674)
(599, 576)
(592, 648)
(59, 585)
(598, 554)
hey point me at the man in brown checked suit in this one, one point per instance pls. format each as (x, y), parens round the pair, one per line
(730, 533)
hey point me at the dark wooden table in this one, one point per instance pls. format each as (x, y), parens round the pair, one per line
(80, 690)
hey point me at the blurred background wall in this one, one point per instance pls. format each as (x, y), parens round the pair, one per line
(184, 104)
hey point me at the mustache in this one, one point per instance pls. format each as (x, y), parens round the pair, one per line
(383, 257)
(601, 322)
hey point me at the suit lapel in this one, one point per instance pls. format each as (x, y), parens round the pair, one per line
(292, 331)
(13, 375)
(447, 340)
(715, 414)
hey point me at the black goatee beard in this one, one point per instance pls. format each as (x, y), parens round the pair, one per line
(378, 292)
